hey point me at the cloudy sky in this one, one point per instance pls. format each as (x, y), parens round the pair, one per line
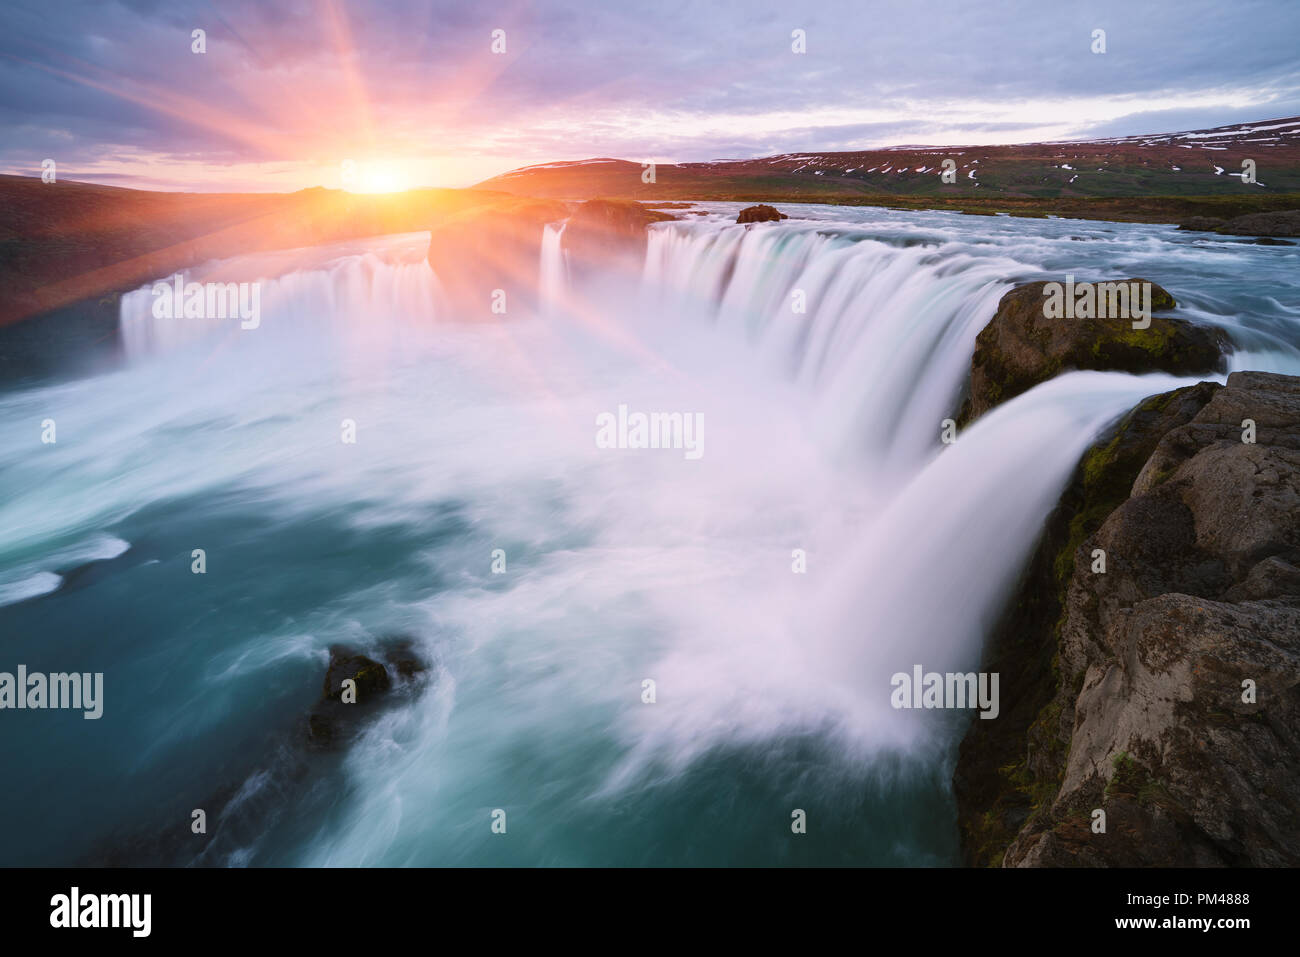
(295, 93)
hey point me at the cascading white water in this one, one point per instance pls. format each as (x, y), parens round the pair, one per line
(356, 297)
(823, 357)
(872, 340)
(881, 335)
(553, 271)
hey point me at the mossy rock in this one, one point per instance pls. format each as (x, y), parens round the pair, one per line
(370, 676)
(1022, 346)
(332, 721)
(1110, 467)
(1009, 771)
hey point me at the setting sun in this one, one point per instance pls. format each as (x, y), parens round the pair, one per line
(376, 177)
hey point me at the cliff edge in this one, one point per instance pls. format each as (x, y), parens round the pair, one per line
(1153, 650)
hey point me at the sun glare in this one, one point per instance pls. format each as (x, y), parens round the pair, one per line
(378, 178)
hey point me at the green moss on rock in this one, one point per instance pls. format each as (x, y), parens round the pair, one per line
(1009, 774)
(1022, 346)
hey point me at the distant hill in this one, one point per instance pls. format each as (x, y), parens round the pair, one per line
(1194, 163)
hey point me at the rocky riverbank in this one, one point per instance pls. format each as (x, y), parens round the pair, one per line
(1151, 656)
(1270, 225)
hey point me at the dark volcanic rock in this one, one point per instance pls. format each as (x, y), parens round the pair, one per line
(332, 720)
(1206, 224)
(274, 773)
(1286, 223)
(370, 676)
(1021, 347)
(760, 214)
(402, 658)
(1148, 720)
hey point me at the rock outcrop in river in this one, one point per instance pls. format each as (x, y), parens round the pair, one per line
(333, 718)
(761, 213)
(1021, 346)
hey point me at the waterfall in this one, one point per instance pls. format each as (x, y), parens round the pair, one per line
(822, 353)
(553, 271)
(383, 291)
(881, 335)
(812, 341)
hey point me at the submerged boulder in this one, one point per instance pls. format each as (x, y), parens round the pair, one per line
(273, 771)
(1023, 346)
(370, 677)
(760, 214)
(337, 714)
